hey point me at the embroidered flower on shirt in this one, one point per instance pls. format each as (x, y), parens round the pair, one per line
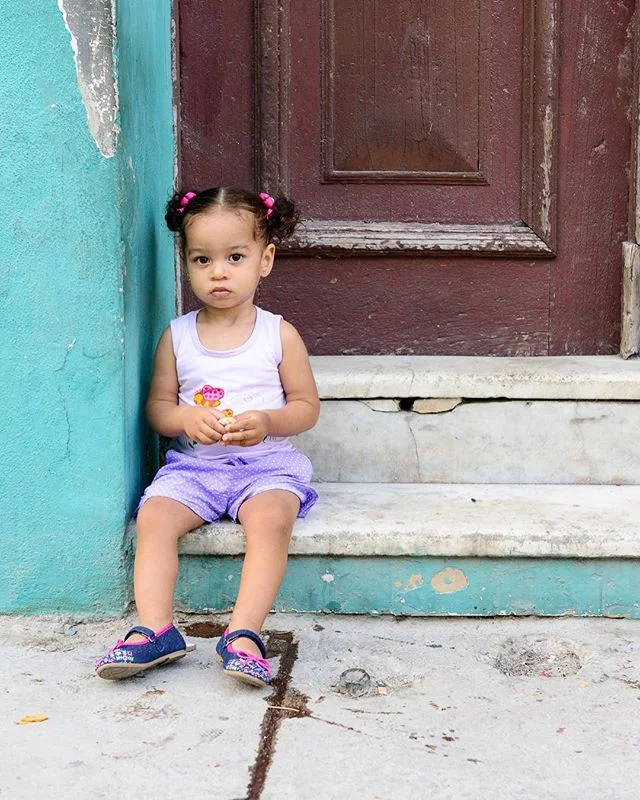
(208, 396)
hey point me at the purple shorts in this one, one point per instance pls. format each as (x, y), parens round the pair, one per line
(214, 488)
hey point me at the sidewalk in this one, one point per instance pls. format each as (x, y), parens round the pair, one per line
(366, 707)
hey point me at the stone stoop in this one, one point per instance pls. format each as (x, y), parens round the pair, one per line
(466, 486)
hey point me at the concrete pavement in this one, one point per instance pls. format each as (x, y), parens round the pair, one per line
(369, 707)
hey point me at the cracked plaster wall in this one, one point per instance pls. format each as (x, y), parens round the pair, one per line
(65, 487)
(91, 26)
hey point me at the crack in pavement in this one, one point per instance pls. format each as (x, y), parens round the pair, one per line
(283, 703)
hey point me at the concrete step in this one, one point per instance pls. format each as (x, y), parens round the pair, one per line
(470, 486)
(442, 549)
(453, 520)
(422, 419)
(479, 377)
(490, 441)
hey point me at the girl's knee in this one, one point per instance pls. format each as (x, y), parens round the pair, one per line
(161, 516)
(276, 508)
(273, 524)
(149, 515)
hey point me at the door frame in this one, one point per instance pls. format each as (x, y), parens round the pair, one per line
(630, 327)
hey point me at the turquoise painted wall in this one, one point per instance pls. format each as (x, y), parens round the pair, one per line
(147, 174)
(77, 308)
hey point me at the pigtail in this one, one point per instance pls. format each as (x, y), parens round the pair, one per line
(284, 220)
(175, 212)
(177, 208)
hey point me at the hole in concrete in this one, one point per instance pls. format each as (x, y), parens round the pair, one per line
(276, 641)
(355, 682)
(205, 630)
(406, 403)
(519, 657)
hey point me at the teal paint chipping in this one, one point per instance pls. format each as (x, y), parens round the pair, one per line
(403, 586)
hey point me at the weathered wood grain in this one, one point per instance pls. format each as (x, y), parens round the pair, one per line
(630, 335)
(338, 237)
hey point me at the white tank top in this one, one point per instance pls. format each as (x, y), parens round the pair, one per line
(243, 379)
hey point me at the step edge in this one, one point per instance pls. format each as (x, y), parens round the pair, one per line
(232, 544)
(433, 538)
(477, 377)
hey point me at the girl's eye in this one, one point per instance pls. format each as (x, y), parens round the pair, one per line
(236, 258)
(201, 260)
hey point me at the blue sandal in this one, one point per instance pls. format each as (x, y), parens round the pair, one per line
(246, 666)
(124, 660)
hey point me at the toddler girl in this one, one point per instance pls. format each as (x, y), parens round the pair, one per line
(230, 383)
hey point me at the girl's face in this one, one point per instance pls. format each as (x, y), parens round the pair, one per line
(224, 260)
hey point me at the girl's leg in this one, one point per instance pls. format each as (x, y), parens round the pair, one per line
(161, 522)
(267, 520)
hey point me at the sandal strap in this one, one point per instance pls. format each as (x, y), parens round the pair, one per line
(245, 633)
(151, 636)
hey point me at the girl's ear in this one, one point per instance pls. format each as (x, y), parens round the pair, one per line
(266, 263)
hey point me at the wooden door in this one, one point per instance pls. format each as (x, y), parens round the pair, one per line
(461, 164)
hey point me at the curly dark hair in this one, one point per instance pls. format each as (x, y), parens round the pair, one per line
(276, 227)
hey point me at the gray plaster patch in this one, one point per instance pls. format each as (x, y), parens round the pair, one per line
(526, 657)
(92, 29)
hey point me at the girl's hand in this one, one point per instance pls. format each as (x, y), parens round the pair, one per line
(250, 428)
(201, 424)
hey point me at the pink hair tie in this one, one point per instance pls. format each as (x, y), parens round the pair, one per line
(268, 201)
(186, 199)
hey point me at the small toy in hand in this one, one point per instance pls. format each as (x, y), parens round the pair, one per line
(227, 418)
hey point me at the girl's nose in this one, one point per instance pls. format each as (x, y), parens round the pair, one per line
(218, 269)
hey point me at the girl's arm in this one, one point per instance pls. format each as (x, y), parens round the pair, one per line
(163, 412)
(303, 405)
